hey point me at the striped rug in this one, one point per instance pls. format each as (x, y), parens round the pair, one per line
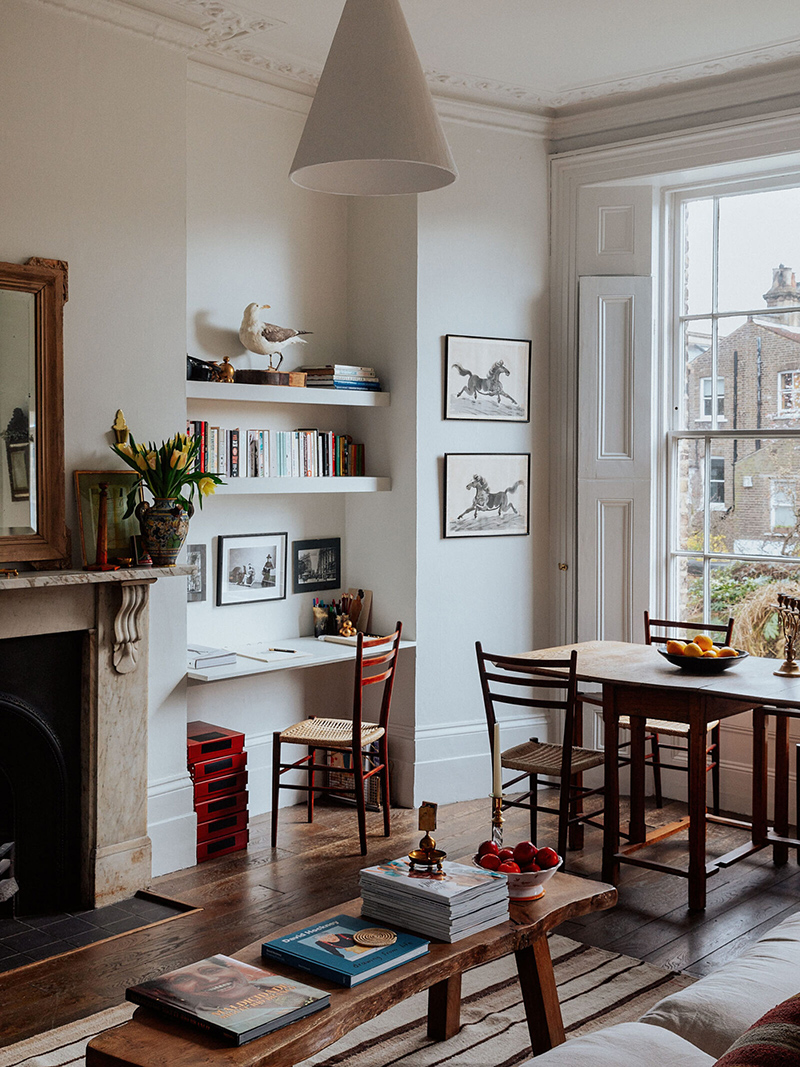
(596, 988)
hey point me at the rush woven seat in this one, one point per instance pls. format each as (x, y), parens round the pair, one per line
(330, 733)
(366, 743)
(535, 685)
(664, 726)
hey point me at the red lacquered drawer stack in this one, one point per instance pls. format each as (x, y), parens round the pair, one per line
(217, 764)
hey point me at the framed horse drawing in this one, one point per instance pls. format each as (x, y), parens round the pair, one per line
(486, 494)
(487, 379)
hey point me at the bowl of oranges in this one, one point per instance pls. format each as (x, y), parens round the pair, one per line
(701, 655)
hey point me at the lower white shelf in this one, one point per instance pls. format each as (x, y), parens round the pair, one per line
(259, 486)
(311, 652)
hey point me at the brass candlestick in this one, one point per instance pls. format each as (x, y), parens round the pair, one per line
(427, 857)
(788, 608)
(497, 821)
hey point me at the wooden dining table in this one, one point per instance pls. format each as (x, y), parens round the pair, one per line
(638, 682)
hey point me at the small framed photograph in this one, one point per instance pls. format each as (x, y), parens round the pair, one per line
(316, 564)
(251, 567)
(486, 494)
(196, 584)
(139, 553)
(487, 379)
(88, 495)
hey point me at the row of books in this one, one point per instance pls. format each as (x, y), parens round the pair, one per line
(342, 376)
(304, 453)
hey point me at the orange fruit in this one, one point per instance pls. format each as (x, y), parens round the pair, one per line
(693, 650)
(675, 648)
(727, 651)
(709, 654)
(704, 641)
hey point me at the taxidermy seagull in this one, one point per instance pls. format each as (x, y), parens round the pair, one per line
(264, 338)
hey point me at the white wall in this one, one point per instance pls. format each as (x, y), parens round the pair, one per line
(92, 171)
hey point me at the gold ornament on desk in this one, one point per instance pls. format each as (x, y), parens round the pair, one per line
(788, 608)
(427, 857)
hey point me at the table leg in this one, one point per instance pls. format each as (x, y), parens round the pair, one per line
(780, 853)
(697, 806)
(611, 787)
(638, 830)
(444, 1009)
(540, 996)
(760, 777)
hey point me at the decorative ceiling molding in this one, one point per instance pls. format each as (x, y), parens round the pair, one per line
(221, 34)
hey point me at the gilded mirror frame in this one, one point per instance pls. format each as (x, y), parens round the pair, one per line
(46, 279)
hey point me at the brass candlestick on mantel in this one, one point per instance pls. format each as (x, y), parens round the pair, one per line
(788, 608)
(427, 857)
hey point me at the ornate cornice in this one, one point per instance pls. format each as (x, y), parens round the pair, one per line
(220, 34)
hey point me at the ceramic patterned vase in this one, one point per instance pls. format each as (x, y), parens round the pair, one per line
(164, 525)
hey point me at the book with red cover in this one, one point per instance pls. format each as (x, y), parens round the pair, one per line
(232, 1000)
(228, 763)
(219, 846)
(221, 826)
(226, 804)
(227, 783)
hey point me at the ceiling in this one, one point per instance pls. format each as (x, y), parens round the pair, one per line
(528, 54)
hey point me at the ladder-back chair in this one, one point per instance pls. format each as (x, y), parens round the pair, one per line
(366, 742)
(524, 683)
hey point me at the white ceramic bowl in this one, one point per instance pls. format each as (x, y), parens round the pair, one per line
(526, 885)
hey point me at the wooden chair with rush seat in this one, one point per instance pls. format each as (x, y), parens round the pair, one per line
(659, 631)
(366, 742)
(516, 681)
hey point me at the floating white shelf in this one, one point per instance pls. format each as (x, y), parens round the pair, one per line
(286, 394)
(260, 486)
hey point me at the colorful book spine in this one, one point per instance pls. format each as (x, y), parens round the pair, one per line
(233, 465)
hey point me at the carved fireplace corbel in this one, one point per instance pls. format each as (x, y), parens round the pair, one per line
(127, 625)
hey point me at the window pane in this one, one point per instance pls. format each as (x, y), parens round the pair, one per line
(689, 589)
(748, 591)
(755, 497)
(690, 466)
(696, 396)
(757, 234)
(698, 237)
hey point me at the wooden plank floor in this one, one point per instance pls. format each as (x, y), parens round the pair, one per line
(248, 895)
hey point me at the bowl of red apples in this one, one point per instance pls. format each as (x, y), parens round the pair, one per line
(526, 866)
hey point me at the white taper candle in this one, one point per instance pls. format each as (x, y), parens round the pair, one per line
(497, 779)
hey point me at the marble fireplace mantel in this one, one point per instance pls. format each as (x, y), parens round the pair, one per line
(110, 607)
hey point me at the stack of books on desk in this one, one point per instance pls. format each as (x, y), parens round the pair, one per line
(342, 376)
(462, 901)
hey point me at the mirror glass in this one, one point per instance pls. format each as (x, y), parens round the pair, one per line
(17, 413)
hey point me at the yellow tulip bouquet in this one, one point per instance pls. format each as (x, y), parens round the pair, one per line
(168, 470)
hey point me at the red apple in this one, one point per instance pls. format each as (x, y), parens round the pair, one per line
(530, 868)
(547, 858)
(525, 852)
(506, 854)
(488, 847)
(509, 867)
(489, 862)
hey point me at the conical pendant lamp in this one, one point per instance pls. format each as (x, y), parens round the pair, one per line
(372, 129)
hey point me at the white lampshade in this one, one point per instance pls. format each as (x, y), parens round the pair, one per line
(372, 129)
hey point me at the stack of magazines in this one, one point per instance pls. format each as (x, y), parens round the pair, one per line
(461, 901)
(342, 376)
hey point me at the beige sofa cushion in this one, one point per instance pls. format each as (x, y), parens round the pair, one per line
(624, 1045)
(713, 1012)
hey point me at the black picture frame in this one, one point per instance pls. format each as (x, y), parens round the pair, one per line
(487, 379)
(486, 494)
(251, 568)
(316, 564)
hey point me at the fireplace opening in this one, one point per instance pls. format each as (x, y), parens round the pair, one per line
(40, 771)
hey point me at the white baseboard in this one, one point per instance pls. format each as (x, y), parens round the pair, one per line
(172, 824)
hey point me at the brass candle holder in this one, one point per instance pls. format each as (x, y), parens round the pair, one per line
(497, 821)
(788, 608)
(427, 857)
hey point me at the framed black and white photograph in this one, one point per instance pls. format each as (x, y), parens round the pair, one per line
(316, 564)
(487, 379)
(486, 494)
(196, 583)
(251, 567)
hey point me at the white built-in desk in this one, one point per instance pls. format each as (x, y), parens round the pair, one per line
(310, 652)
